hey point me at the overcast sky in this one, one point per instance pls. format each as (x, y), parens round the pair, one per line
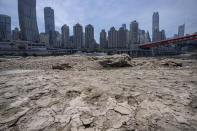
(103, 14)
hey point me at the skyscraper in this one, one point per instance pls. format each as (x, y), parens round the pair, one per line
(15, 34)
(78, 36)
(181, 30)
(142, 36)
(44, 38)
(83, 45)
(148, 39)
(162, 35)
(103, 39)
(49, 19)
(124, 26)
(71, 40)
(134, 32)
(89, 37)
(58, 42)
(28, 20)
(122, 38)
(65, 37)
(155, 27)
(156, 35)
(112, 38)
(5, 27)
(127, 37)
(50, 24)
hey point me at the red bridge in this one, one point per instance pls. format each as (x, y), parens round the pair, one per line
(170, 41)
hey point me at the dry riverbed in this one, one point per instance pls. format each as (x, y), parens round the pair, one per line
(79, 93)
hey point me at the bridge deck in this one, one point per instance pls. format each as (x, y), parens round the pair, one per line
(169, 41)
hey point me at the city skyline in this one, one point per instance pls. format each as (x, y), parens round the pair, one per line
(102, 19)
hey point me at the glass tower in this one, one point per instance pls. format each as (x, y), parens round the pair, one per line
(28, 20)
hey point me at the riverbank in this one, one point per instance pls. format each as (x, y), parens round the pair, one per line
(147, 94)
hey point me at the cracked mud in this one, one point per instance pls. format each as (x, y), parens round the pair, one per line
(37, 93)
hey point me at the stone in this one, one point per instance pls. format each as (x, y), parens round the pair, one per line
(87, 119)
(115, 61)
(122, 110)
(62, 66)
(193, 103)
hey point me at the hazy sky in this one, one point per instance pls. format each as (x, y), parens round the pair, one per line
(103, 14)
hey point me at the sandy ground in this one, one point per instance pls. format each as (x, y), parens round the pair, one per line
(152, 94)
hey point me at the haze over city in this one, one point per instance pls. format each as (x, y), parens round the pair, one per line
(104, 14)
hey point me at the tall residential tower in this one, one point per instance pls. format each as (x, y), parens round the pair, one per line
(181, 30)
(155, 27)
(89, 37)
(112, 38)
(134, 28)
(5, 27)
(148, 39)
(122, 38)
(28, 20)
(65, 37)
(78, 36)
(15, 34)
(50, 25)
(124, 26)
(103, 39)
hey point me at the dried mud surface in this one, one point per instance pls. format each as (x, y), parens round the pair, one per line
(68, 93)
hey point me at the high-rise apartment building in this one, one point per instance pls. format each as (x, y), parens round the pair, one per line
(58, 42)
(162, 35)
(181, 30)
(28, 20)
(49, 19)
(5, 27)
(122, 38)
(103, 39)
(83, 45)
(65, 37)
(44, 38)
(71, 39)
(16, 34)
(124, 26)
(50, 25)
(78, 36)
(112, 38)
(127, 37)
(142, 36)
(89, 37)
(155, 27)
(156, 35)
(134, 32)
(148, 39)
